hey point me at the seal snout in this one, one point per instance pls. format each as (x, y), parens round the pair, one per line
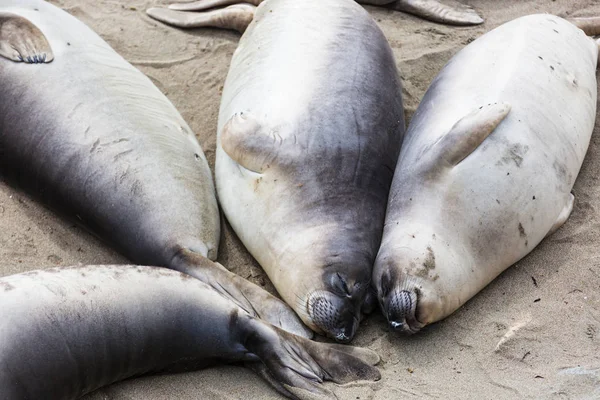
(333, 315)
(400, 310)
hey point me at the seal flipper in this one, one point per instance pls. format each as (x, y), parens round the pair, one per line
(201, 5)
(435, 11)
(293, 364)
(246, 295)
(563, 216)
(244, 140)
(590, 25)
(236, 17)
(22, 41)
(469, 132)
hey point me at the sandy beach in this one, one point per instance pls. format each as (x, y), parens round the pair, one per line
(532, 333)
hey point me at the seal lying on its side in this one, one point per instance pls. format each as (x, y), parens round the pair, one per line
(237, 14)
(487, 166)
(66, 332)
(310, 126)
(91, 135)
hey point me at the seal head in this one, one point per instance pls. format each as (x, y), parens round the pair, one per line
(336, 311)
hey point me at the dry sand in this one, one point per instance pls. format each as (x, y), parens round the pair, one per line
(547, 307)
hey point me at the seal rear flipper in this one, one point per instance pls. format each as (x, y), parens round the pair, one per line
(201, 5)
(591, 25)
(246, 295)
(244, 140)
(236, 17)
(563, 216)
(435, 11)
(299, 366)
(469, 132)
(22, 41)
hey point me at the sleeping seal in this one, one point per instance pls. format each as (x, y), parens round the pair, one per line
(487, 166)
(91, 135)
(237, 14)
(66, 332)
(310, 126)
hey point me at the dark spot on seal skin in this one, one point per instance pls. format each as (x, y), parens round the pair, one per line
(68, 43)
(7, 286)
(522, 230)
(429, 262)
(197, 156)
(552, 68)
(540, 57)
(514, 153)
(533, 198)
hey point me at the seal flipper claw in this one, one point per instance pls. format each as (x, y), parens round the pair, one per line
(246, 295)
(201, 5)
(236, 17)
(435, 11)
(563, 216)
(469, 132)
(22, 41)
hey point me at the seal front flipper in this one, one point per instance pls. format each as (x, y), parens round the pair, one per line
(246, 295)
(201, 5)
(245, 141)
(468, 133)
(22, 41)
(295, 365)
(435, 11)
(236, 17)
(563, 216)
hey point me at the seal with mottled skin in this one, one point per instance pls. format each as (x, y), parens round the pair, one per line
(66, 332)
(92, 136)
(310, 127)
(487, 166)
(237, 14)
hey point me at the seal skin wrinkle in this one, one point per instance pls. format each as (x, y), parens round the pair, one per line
(68, 331)
(487, 166)
(90, 135)
(237, 14)
(310, 127)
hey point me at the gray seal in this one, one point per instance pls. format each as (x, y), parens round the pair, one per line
(68, 331)
(310, 127)
(487, 166)
(90, 135)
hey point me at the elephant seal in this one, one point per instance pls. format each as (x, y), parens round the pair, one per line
(68, 331)
(90, 135)
(487, 166)
(310, 127)
(237, 14)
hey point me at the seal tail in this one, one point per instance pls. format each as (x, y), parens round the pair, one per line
(202, 5)
(297, 367)
(435, 11)
(236, 17)
(591, 27)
